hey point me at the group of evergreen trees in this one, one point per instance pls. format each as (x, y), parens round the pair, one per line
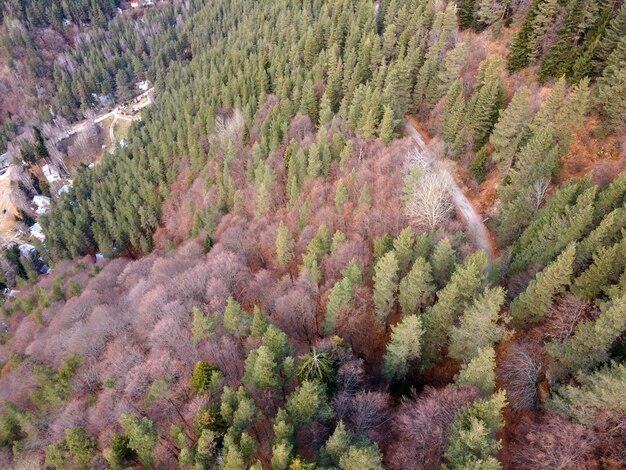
(349, 69)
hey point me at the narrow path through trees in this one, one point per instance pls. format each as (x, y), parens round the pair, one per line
(475, 226)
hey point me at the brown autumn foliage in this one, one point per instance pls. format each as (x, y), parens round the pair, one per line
(420, 427)
(553, 442)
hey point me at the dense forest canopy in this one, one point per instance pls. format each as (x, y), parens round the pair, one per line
(281, 269)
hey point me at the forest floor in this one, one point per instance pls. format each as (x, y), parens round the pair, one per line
(475, 225)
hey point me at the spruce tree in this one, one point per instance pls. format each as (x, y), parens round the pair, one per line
(416, 287)
(454, 116)
(403, 246)
(471, 440)
(488, 12)
(480, 371)
(485, 101)
(506, 134)
(236, 321)
(403, 348)
(284, 245)
(605, 233)
(478, 327)
(612, 87)
(611, 197)
(463, 286)
(608, 263)
(385, 285)
(533, 304)
(387, 125)
(590, 343)
(599, 392)
(339, 297)
(443, 261)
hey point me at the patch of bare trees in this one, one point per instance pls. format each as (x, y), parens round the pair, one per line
(553, 442)
(420, 427)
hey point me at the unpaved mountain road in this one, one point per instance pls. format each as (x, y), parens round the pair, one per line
(475, 226)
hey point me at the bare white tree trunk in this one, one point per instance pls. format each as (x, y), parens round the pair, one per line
(431, 203)
(539, 191)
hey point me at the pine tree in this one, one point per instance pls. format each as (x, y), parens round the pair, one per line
(608, 263)
(611, 197)
(590, 343)
(284, 245)
(480, 371)
(478, 327)
(454, 118)
(385, 285)
(471, 439)
(533, 304)
(443, 261)
(520, 51)
(559, 58)
(403, 246)
(506, 134)
(202, 376)
(488, 12)
(439, 318)
(387, 125)
(403, 348)
(599, 392)
(341, 196)
(416, 287)
(142, 436)
(339, 297)
(202, 325)
(236, 321)
(612, 87)
(451, 67)
(259, 323)
(485, 101)
(308, 402)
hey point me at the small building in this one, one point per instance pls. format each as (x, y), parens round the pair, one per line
(42, 203)
(63, 189)
(27, 250)
(135, 4)
(143, 85)
(50, 173)
(37, 232)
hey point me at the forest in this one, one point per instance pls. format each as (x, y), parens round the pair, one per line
(347, 235)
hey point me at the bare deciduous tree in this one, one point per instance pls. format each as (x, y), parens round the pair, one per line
(564, 315)
(431, 203)
(553, 442)
(420, 427)
(521, 371)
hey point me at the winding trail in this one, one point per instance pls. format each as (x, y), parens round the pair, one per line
(475, 226)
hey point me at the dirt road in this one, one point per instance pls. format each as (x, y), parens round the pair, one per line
(475, 225)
